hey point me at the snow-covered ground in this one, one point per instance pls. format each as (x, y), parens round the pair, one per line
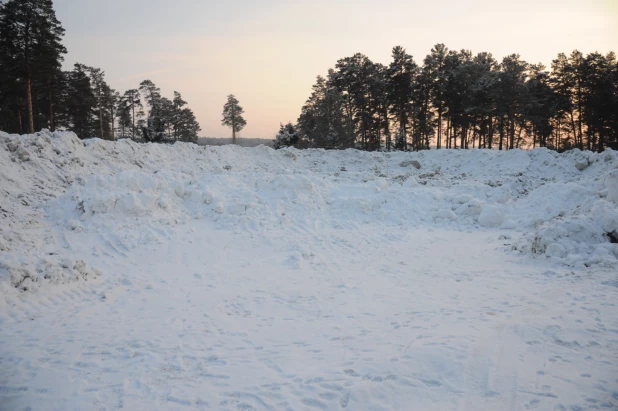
(185, 277)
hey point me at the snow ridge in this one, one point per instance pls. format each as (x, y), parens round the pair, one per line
(561, 206)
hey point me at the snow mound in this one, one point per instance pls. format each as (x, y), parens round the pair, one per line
(28, 274)
(491, 216)
(581, 239)
(54, 183)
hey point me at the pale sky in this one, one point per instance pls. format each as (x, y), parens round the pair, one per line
(268, 52)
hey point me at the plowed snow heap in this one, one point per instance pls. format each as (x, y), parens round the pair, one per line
(560, 206)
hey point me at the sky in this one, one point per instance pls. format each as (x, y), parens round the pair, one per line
(269, 52)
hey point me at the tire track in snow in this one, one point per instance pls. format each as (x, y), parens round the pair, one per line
(491, 372)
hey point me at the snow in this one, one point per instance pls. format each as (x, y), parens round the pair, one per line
(146, 276)
(491, 215)
(612, 186)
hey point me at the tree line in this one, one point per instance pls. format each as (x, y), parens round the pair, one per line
(36, 93)
(459, 100)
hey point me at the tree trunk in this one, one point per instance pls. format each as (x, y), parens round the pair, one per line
(558, 142)
(490, 136)
(439, 143)
(402, 131)
(20, 120)
(521, 128)
(51, 108)
(579, 117)
(133, 108)
(111, 112)
(448, 133)
(574, 129)
(534, 138)
(233, 135)
(100, 117)
(501, 132)
(29, 103)
(474, 123)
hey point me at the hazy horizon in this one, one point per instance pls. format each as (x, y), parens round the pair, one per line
(268, 54)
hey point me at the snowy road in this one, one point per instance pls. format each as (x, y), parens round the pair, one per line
(363, 319)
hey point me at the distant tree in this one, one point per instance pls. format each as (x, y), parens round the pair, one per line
(456, 91)
(600, 101)
(362, 85)
(435, 74)
(401, 74)
(512, 93)
(541, 105)
(30, 46)
(422, 114)
(155, 127)
(111, 102)
(78, 102)
(482, 103)
(288, 136)
(97, 81)
(184, 124)
(326, 120)
(132, 100)
(232, 116)
(124, 117)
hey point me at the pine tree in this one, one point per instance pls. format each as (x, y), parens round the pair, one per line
(400, 88)
(513, 72)
(132, 100)
(482, 102)
(111, 103)
(359, 80)
(30, 46)
(459, 70)
(232, 116)
(434, 64)
(600, 101)
(541, 105)
(78, 102)
(287, 137)
(423, 115)
(98, 84)
(155, 127)
(325, 121)
(185, 126)
(124, 117)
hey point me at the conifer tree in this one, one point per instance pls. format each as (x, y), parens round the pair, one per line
(232, 116)
(155, 126)
(30, 46)
(132, 100)
(436, 75)
(401, 75)
(287, 137)
(78, 102)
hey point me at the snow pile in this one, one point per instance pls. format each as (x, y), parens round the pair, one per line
(584, 238)
(35, 169)
(54, 183)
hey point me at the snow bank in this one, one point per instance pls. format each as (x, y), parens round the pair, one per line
(611, 182)
(53, 183)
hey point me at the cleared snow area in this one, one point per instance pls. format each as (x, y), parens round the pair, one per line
(144, 276)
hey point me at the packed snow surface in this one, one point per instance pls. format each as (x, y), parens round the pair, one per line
(184, 277)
